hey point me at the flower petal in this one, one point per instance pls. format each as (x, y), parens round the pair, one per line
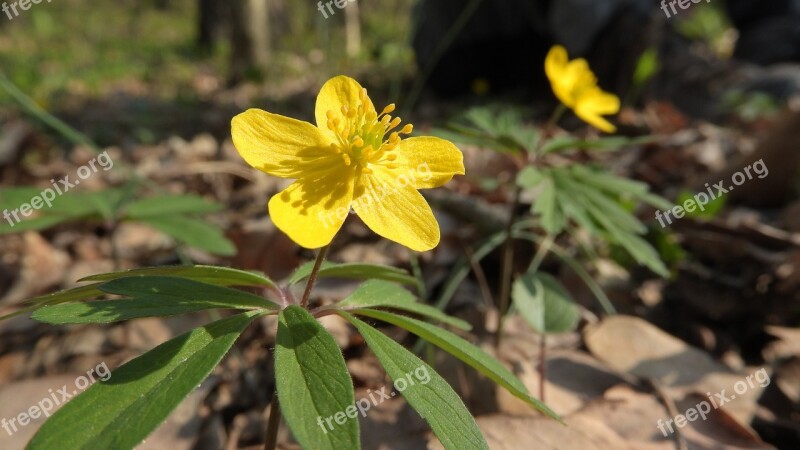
(278, 145)
(395, 211)
(556, 62)
(312, 210)
(428, 162)
(594, 103)
(337, 92)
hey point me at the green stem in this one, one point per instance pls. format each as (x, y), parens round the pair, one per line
(271, 439)
(507, 268)
(312, 278)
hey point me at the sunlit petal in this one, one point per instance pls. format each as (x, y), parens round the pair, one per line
(395, 211)
(312, 210)
(338, 92)
(278, 145)
(428, 162)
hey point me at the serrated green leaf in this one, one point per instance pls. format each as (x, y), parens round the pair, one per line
(357, 271)
(193, 232)
(435, 401)
(552, 217)
(121, 411)
(151, 297)
(170, 205)
(544, 303)
(464, 351)
(220, 276)
(530, 177)
(313, 383)
(378, 294)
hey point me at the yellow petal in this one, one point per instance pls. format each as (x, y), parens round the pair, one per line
(556, 62)
(337, 92)
(395, 211)
(312, 210)
(428, 162)
(594, 103)
(278, 145)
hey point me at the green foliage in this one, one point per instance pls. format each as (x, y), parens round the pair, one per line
(218, 276)
(592, 199)
(544, 303)
(311, 374)
(121, 411)
(607, 143)
(150, 296)
(313, 382)
(464, 351)
(710, 210)
(504, 131)
(750, 106)
(174, 215)
(647, 66)
(381, 294)
(357, 271)
(435, 401)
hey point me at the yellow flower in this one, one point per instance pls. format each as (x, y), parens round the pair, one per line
(351, 159)
(576, 86)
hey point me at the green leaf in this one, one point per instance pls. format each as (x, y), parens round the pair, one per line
(171, 205)
(435, 401)
(646, 67)
(182, 289)
(193, 232)
(357, 271)
(710, 210)
(151, 297)
(121, 411)
(553, 219)
(314, 384)
(220, 276)
(377, 294)
(604, 143)
(464, 351)
(544, 303)
(67, 295)
(530, 177)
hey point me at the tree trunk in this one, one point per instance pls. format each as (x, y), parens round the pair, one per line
(250, 40)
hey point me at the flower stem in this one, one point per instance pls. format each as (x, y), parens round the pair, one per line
(271, 439)
(312, 278)
(507, 268)
(542, 365)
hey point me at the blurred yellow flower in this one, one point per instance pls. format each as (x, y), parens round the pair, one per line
(576, 86)
(351, 159)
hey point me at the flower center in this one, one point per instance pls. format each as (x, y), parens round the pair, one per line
(361, 138)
